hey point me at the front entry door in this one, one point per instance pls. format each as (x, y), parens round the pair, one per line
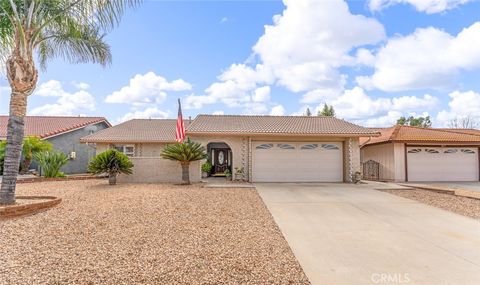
(221, 160)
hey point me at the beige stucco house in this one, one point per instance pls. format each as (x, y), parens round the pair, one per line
(407, 153)
(267, 148)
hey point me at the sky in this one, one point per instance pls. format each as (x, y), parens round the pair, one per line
(373, 61)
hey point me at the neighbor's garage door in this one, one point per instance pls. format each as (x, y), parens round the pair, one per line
(297, 162)
(442, 164)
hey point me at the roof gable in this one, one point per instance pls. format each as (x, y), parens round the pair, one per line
(49, 126)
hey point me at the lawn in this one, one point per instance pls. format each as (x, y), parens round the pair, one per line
(149, 234)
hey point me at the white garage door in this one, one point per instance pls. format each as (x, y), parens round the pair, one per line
(442, 164)
(297, 162)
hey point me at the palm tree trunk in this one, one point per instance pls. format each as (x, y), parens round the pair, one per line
(112, 178)
(13, 150)
(185, 173)
(22, 76)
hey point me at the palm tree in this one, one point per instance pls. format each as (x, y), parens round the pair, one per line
(32, 146)
(111, 162)
(184, 153)
(69, 29)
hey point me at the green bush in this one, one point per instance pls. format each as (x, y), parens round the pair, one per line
(2, 155)
(111, 162)
(207, 167)
(51, 162)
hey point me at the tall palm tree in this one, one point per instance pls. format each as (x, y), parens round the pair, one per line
(69, 29)
(184, 153)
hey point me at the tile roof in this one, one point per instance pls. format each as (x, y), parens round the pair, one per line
(137, 130)
(287, 125)
(49, 126)
(400, 133)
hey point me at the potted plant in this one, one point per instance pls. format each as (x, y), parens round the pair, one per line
(206, 169)
(228, 174)
(357, 178)
(239, 173)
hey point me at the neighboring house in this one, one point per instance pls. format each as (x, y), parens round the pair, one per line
(268, 148)
(424, 154)
(64, 134)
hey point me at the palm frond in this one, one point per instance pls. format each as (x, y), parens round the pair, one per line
(110, 161)
(184, 152)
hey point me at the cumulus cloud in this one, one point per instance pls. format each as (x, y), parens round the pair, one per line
(67, 103)
(148, 113)
(302, 51)
(427, 6)
(462, 104)
(428, 58)
(81, 85)
(218, 113)
(147, 89)
(358, 106)
(277, 110)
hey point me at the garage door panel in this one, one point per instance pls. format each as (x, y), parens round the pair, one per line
(442, 164)
(297, 162)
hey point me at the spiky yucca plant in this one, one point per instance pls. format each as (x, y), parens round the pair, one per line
(51, 162)
(184, 153)
(111, 162)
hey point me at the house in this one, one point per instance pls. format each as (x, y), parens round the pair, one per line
(267, 148)
(64, 134)
(407, 153)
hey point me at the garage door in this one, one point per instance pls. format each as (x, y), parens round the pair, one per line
(442, 164)
(297, 162)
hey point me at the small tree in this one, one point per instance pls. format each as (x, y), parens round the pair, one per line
(466, 122)
(51, 162)
(308, 112)
(111, 162)
(327, 111)
(32, 146)
(184, 153)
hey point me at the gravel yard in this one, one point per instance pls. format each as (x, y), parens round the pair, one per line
(145, 234)
(461, 205)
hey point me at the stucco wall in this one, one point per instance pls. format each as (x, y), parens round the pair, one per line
(156, 169)
(69, 142)
(384, 155)
(149, 167)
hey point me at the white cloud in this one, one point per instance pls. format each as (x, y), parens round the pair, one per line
(51, 88)
(147, 89)
(148, 113)
(81, 85)
(261, 94)
(277, 110)
(357, 106)
(218, 113)
(428, 58)
(302, 51)
(68, 104)
(461, 104)
(427, 6)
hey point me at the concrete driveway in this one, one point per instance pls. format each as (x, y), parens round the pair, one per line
(352, 234)
(472, 186)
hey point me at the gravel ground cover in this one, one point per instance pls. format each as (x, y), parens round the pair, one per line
(461, 205)
(146, 234)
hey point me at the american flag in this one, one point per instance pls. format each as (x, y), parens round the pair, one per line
(180, 131)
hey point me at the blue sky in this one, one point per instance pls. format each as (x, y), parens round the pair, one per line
(372, 60)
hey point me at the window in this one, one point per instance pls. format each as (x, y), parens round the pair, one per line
(128, 150)
(415, 150)
(430, 150)
(468, 151)
(329, 146)
(309, 146)
(265, 146)
(451, 150)
(285, 146)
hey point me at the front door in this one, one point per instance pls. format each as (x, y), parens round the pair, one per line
(221, 160)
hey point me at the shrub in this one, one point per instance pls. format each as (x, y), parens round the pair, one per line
(207, 167)
(50, 162)
(111, 162)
